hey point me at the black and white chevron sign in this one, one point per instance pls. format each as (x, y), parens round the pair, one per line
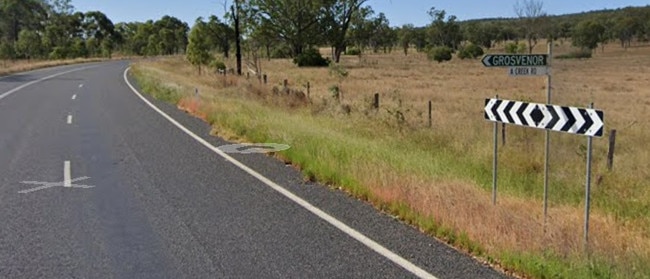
(582, 121)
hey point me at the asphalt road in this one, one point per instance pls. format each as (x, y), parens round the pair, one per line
(94, 183)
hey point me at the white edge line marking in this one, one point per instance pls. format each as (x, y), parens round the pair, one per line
(390, 255)
(3, 95)
(66, 174)
(74, 96)
(69, 119)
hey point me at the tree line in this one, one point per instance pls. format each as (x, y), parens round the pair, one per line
(290, 28)
(52, 29)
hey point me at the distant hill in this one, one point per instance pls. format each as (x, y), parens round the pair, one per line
(574, 16)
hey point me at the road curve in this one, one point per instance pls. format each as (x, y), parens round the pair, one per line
(95, 183)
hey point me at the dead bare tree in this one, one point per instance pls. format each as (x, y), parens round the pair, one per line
(235, 15)
(254, 61)
(533, 19)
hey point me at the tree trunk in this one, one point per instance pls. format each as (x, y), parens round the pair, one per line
(237, 36)
(268, 52)
(338, 50)
(297, 49)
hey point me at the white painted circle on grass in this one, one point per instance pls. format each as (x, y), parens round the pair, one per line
(250, 148)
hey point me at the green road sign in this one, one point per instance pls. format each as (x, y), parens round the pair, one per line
(515, 60)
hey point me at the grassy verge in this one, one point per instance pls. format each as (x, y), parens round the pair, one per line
(432, 180)
(9, 67)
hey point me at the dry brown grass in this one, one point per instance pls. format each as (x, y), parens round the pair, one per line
(516, 224)
(10, 67)
(616, 81)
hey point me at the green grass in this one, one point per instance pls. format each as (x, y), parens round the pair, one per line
(330, 149)
(156, 88)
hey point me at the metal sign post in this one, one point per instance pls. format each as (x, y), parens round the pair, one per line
(581, 121)
(495, 161)
(588, 190)
(547, 140)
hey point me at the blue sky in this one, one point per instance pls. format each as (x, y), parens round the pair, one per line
(398, 11)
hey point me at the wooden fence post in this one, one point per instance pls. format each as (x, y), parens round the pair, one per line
(264, 78)
(503, 134)
(612, 147)
(375, 103)
(430, 118)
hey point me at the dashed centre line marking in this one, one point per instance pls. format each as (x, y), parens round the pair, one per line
(69, 119)
(81, 85)
(66, 174)
(12, 91)
(74, 96)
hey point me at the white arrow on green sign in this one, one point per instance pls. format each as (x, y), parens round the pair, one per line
(515, 60)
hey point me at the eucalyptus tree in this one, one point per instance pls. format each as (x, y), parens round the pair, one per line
(296, 22)
(588, 33)
(19, 15)
(533, 20)
(338, 15)
(406, 35)
(441, 32)
(198, 48)
(99, 31)
(221, 35)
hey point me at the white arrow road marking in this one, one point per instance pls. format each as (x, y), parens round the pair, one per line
(527, 114)
(250, 148)
(563, 119)
(513, 113)
(488, 109)
(548, 116)
(378, 248)
(598, 123)
(580, 120)
(501, 112)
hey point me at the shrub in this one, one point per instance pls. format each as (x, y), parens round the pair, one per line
(470, 51)
(579, 54)
(217, 65)
(311, 58)
(338, 71)
(515, 48)
(439, 54)
(7, 50)
(335, 90)
(353, 51)
(58, 53)
(280, 53)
